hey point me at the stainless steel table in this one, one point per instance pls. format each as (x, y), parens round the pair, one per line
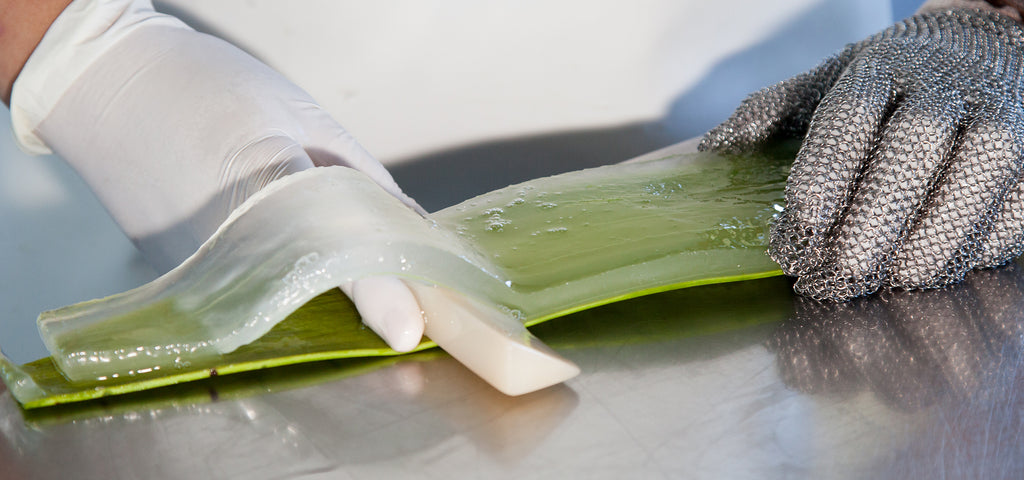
(732, 382)
(760, 388)
(727, 382)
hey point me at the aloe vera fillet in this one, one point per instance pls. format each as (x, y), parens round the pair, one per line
(657, 318)
(541, 249)
(578, 240)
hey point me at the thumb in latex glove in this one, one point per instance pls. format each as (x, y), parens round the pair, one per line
(172, 129)
(909, 174)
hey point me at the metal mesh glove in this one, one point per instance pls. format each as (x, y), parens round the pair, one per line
(909, 174)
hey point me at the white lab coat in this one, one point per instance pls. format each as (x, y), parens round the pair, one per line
(456, 97)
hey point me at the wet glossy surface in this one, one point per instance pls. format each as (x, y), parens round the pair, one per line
(943, 404)
(912, 385)
(907, 385)
(623, 230)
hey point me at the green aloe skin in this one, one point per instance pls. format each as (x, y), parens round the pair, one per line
(545, 248)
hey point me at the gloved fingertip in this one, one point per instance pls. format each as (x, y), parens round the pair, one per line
(388, 307)
(829, 284)
(794, 248)
(722, 139)
(402, 330)
(706, 143)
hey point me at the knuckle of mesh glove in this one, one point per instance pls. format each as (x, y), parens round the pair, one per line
(778, 110)
(909, 174)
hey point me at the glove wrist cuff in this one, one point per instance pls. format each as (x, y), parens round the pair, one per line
(83, 32)
(1011, 8)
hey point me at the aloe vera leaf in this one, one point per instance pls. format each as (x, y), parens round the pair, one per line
(675, 222)
(573, 241)
(682, 313)
(327, 327)
(305, 337)
(280, 249)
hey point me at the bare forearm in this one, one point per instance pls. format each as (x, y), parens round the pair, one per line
(22, 25)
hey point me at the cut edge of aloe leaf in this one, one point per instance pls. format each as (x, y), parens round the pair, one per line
(744, 197)
(656, 290)
(277, 251)
(12, 372)
(227, 369)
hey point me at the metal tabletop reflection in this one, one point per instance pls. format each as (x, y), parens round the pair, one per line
(733, 381)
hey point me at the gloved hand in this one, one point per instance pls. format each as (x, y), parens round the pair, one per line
(172, 129)
(909, 174)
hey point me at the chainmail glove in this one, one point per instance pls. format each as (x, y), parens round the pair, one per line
(909, 174)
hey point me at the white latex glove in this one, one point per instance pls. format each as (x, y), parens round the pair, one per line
(172, 129)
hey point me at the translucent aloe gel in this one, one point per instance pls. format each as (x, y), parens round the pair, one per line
(540, 249)
(287, 244)
(581, 239)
